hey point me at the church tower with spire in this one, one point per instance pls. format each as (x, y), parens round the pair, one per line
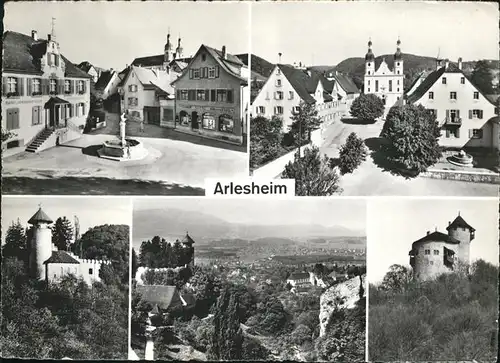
(167, 52)
(178, 50)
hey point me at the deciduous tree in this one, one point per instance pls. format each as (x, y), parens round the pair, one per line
(265, 140)
(482, 77)
(352, 153)
(367, 107)
(304, 121)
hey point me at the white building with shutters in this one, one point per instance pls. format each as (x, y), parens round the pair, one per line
(467, 117)
(45, 97)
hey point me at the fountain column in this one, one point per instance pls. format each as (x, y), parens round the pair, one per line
(122, 129)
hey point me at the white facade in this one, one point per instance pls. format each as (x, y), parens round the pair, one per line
(464, 113)
(112, 86)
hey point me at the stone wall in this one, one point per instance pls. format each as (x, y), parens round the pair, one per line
(475, 177)
(274, 168)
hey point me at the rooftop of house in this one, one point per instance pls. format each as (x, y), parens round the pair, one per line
(303, 83)
(40, 216)
(460, 222)
(22, 53)
(155, 60)
(438, 237)
(346, 83)
(187, 239)
(160, 296)
(85, 66)
(298, 276)
(153, 79)
(61, 257)
(104, 79)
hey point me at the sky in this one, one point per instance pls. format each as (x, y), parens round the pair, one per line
(325, 33)
(113, 34)
(349, 213)
(91, 211)
(394, 224)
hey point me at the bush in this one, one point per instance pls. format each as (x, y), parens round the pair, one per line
(367, 107)
(352, 153)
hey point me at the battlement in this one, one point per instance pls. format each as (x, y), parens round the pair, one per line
(94, 262)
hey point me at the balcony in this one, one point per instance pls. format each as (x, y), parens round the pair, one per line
(452, 122)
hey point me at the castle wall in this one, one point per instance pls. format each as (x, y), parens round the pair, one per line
(56, 271)
(428, 266)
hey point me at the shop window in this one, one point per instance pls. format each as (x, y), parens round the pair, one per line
(184, 118)
(208, 121)
(226, 123)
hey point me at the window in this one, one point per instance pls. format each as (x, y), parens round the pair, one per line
(221, 95)
(390, 85)
(368, 82)
(278, 95)
(369, 72)
(131, 87)
(278, 83)
(184, 95)
(397, 83)
(397, 64)
(476, 133)
(398, 71)
(201, 95)
(208, 121)
(462, 80)
(133, 101)
(278, 110)
(36, 86)
(369, 64)
(81, 87)
(453, 95)
(226, 123)
(67, 86)
(37, 115)
(476, 95)
(12, 85)
(376, 86)
(431, 95)
(203, 57)
(432, 112)
(90, 271)
(211, 72)
(12, 119)
(476, 114)
(261, 110)
(436, 252)
(278, 71)
(443, 80)
(290, 95)
(368, 89)
(196, 73)
(53, 86)
(398, 89)
(184, 117)
(427, 252)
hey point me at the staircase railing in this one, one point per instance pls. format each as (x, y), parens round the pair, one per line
(71, 125)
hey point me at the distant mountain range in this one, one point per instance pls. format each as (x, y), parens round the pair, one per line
(204, 227)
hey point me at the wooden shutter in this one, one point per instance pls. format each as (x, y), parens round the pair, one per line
(457, 133)
(34, 112)
(447, 115)
(49, 59)
(447, 133)
(471, 133)
(216, 71)
(84, 86)
(458, 113)
(230, 95)
(191, 73)
(83, 108)
(206, 72)
(5, 85)
(20, 86)
(480, 114)
(470, 114)
(213, 96)
(44, 86)
(60, 85)
(16, 118)
(178, 93)
(207, 95)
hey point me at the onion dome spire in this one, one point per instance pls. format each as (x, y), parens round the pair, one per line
(369, 55)
(398, 55)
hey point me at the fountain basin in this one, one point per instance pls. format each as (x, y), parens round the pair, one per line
(461, 159)
(115, 150)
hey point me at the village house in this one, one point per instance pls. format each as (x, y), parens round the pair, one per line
(107, 84)
(164, 298)
(47, 263)
(344, 87)
(45, 97)
(287, 86)
(467, 117)
(92, 71)
(212, 96)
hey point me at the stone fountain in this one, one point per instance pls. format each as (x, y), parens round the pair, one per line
(122, 148)
(461, 159)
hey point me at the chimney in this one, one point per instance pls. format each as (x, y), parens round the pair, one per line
(34, 35)
(446, 63)
(460, 63)
(449, 223)
(428, 232)
(224, 51)
(279, 58)
(49, 37)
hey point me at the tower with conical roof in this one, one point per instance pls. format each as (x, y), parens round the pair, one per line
(463, 232)
(187, 243)
(40, 244)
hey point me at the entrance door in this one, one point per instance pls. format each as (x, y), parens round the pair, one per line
(54, 116)
(194, 120)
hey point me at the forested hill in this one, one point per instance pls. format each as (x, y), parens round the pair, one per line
(259, 65)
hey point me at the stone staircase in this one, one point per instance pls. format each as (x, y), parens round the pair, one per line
(39, 140)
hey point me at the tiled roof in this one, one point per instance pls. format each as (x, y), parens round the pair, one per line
(298, 276)
(104, 79)
(85, 66)
(21, 53)
(123, 76)
(437, 236)
(327, 97)
(160, 295)
(301, 82)
(460, 222)
(187, 239)
(153, 60)
(346, 83)
(61, 257)
(40, 216)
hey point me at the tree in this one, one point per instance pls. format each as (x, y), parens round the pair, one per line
(304, 122)
(135, 262)
(301, 334)
(265, 140)
(313, 174)
(352, 153)
(62, 234)
(412, 135)
(367, 107)
(482, 77)
(15, 242)
(397, 278)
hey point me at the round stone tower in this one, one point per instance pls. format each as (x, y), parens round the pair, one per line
(40, 244)
(187, 243)
(463, 232)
